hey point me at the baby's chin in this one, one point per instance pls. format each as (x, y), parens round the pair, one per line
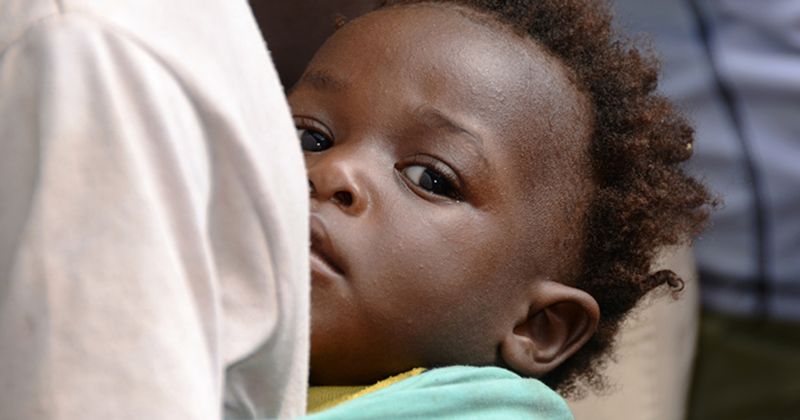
(339, 360)
(334, 369)
(351, 353)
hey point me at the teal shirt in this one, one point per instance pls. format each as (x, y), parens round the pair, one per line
(456, 392)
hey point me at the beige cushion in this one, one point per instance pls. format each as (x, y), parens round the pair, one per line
(650, 378)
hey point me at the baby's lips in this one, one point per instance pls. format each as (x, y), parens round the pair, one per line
(322, 247)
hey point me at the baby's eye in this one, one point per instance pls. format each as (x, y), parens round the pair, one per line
(313, 141)
(430, 180)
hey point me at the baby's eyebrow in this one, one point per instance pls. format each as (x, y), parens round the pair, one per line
(436, 118)
(323, 80)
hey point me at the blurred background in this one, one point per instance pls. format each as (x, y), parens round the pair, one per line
(733, 68)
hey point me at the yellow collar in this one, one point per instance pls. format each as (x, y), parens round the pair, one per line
(325, 397)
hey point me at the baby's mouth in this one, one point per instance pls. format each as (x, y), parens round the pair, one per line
(324, 259)
(317, 257)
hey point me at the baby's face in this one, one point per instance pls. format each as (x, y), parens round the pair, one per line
(445, 156)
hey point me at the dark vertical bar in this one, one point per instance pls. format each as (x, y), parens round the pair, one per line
(734, 111)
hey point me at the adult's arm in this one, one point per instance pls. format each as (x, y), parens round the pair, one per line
(141, 255)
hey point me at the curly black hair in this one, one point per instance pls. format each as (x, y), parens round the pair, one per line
(644, 200)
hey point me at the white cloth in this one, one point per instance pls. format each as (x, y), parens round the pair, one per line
(153, 215)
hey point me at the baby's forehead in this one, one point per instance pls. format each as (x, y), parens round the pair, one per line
(455, 56)
(412, 31)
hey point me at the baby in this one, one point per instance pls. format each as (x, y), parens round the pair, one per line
(490, 181)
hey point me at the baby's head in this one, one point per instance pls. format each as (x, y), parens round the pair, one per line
(490, 181)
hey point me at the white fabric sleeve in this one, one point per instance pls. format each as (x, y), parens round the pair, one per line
(112, 304)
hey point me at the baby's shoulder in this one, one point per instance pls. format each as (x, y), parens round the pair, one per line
(457, 392)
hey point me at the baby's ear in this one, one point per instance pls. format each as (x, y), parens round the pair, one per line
(559, 321)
